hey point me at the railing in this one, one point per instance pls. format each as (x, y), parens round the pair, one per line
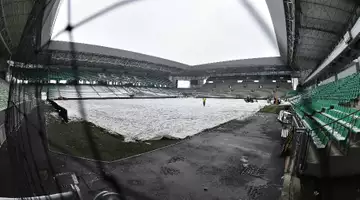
(348, 130)
(71, 195)
(13, 112)
(301, 143)
(15, 118)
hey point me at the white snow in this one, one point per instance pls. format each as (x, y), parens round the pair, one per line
(151, 119)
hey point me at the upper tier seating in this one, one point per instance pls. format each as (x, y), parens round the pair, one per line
(343, 90)
(242, 90)
(36, 75)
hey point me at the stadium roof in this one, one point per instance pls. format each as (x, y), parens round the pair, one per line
(16, 14)
(13, 18)
(111, 52)
(231, 31)
(253, 62)
(91, 55)
(315, 27)
(276, 9)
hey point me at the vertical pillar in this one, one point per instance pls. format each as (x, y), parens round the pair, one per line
(294, 82)
(357, 66)
(3, 68)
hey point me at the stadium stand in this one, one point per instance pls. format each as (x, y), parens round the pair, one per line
(99, 91)
(330, 112)
(291, 93)
(117, 77)
(100, 83)
(232, 87)
(60, 83)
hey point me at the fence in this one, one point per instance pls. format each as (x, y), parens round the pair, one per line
(14, 113)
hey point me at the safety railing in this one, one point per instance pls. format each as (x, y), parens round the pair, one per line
(14, 117)
(301, 142)
(74, 194)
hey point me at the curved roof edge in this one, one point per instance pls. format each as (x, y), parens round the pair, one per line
(275, 62)
(277, 13)
(106, 51)
(252, 62)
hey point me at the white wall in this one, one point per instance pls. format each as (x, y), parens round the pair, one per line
(347, 72)
(326, 81)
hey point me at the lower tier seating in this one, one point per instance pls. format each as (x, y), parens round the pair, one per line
(329, 111)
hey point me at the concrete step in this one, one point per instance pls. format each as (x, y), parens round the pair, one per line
(336, 163)
(312, 155)
(312, 167)
(333, 149)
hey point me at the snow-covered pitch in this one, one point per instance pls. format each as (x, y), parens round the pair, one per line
(151, 119)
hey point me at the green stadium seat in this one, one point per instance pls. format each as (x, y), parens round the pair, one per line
(318, 135)
(326, 107)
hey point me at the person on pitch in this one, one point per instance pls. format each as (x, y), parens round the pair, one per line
(204, 101)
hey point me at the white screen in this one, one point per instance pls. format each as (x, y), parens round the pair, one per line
(183, 84)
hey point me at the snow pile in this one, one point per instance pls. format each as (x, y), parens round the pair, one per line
(151, 119)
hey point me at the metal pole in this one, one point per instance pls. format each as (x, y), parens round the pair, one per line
(65, 195)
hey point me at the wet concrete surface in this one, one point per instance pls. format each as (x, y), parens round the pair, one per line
(237, 160)
(24, 163)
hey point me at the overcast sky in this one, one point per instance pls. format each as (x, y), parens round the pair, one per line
(187, 31)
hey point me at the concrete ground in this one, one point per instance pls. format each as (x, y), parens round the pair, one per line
(24, 162)
(237, 160)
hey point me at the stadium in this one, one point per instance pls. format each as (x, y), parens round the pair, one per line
(85, 121)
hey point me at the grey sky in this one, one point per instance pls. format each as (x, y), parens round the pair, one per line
(187, 31)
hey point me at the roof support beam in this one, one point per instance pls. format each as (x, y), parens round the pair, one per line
(8, 42)
(6, 46)
(289, 7)
(318, 38)
(297, 32)
(329, 6)
(309, 58)
(320, 30)
(312, 45)
(327, 20)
